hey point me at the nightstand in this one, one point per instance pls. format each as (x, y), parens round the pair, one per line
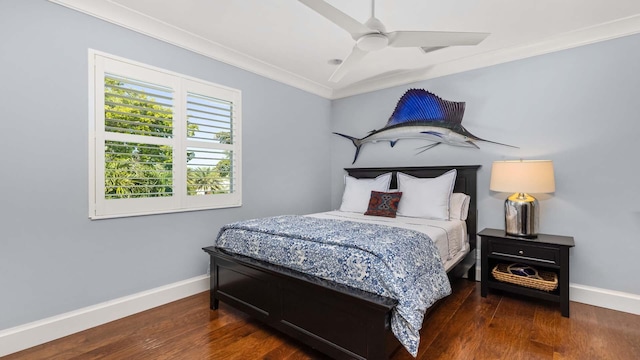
(546, 252)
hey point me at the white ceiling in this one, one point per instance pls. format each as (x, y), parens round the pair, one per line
(288, 42)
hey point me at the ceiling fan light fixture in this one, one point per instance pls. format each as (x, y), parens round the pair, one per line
(372, 42)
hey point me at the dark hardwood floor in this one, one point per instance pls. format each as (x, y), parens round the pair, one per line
(464, 326)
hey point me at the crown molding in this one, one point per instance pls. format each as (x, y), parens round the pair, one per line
(132, 20)
(116, 14)
(590, 35)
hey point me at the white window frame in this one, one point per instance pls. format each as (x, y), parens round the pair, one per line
(99, 208)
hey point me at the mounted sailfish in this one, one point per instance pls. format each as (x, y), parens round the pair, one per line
(420, 114)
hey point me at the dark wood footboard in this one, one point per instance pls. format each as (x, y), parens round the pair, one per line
(340, 321)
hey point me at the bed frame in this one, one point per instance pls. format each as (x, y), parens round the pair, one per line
(340, 321)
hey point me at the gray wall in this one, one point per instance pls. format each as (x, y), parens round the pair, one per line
(577, 107)
(53, 259)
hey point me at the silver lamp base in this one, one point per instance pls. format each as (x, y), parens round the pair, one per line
(521, 215)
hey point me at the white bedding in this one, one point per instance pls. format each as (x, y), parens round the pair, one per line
(450, 236)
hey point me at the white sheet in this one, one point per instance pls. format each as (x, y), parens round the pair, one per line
(450, 236)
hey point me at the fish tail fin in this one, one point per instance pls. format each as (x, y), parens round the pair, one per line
(356, 142)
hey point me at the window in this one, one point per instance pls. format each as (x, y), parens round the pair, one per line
(160, 141)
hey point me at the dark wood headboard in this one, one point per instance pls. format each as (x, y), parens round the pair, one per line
(466, 182)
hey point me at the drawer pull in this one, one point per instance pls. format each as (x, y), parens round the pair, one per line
(520, 252)
(522, 257)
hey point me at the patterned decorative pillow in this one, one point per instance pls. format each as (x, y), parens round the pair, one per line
(383, 203)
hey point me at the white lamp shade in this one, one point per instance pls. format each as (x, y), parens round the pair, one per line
(523, 176)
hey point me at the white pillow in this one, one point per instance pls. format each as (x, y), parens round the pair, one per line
(459, 206)
(426, 198)
(357, 192)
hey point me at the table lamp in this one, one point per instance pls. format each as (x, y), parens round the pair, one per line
(522, 177)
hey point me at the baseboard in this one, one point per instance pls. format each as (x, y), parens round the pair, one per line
(39, 332)
(610, 299)
(42, 331)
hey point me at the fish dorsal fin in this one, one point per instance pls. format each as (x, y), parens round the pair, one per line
(421, 105)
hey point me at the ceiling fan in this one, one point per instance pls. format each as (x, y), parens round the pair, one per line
(372, 36)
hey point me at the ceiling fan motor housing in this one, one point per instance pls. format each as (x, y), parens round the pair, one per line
(372, 42)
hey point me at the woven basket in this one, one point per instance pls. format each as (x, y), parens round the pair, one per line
(548, 281)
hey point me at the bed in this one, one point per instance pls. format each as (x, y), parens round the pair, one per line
(340, 320)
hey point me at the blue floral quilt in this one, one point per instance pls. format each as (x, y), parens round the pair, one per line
(393, 262)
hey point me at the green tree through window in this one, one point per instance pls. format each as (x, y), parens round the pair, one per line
(137, 169)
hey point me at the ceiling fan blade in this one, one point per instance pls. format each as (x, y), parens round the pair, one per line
(351, 25)
(434, 38)
(356, 55)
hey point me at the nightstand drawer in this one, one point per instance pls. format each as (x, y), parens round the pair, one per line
(519, 251)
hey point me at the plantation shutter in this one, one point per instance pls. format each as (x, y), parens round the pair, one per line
(208, 165)
(162, 142)
(212, 144)
(134, 111)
